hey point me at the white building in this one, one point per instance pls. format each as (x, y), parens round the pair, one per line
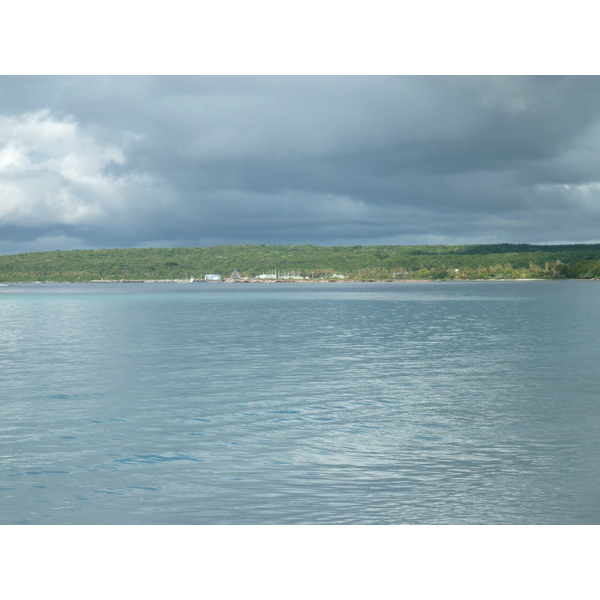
(212, 277)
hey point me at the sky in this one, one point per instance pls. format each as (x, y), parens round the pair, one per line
(200, 160)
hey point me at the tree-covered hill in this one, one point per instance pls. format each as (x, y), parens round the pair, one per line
(361, 262)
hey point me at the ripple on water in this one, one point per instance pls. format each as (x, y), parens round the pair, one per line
(376, 405)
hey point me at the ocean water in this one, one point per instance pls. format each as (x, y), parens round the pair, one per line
(316, 403)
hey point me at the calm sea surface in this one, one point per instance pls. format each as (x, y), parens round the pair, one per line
(217, 403)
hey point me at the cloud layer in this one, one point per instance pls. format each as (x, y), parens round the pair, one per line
(170, 161)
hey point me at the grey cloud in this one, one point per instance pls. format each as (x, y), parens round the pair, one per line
(138, 161)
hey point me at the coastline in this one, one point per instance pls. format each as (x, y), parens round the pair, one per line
(294, 281)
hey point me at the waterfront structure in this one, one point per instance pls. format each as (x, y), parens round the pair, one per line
(212, 277)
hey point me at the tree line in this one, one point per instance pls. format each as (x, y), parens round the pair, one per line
(489, 261)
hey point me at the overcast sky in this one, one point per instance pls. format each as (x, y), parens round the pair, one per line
(107, 162)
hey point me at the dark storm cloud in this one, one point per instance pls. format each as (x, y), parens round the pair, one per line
(140, 161)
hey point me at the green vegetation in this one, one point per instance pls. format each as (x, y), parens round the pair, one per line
(490, 261)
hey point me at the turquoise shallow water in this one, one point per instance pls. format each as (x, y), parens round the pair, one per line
(432, 403)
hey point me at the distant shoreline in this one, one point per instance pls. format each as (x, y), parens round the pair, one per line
(269, 264)
(294, 281)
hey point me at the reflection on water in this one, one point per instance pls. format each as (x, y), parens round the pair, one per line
(300, 403)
